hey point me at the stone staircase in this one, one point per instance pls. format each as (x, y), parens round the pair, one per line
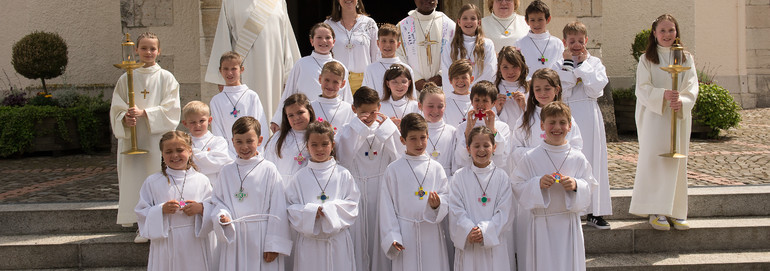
(730, 230)
(70, 236)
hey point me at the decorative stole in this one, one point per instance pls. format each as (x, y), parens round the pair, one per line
(260, 13)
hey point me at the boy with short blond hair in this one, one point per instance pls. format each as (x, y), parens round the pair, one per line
(388, 40)
(539, 47)
(209, 151)
(583, 78)
(458, 101)
(329, 106)
(236, 100)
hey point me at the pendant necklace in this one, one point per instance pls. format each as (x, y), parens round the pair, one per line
(509, 94)
(299, 158)
(317, 63)
(235, 111)
(461, 111)
(323, 196)
(321, 104)
(181, 192)
(349, 34)
(505, 28)
(435, 152)
(557, 175)
(240, 195)
(542, 58)
(484, 199)
(394, 108)
(371, 153)
(420, 192)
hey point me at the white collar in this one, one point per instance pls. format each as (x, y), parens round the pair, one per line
(318, 56)
(322, 165)
(251, 161)
(540, 36)
(235, 89)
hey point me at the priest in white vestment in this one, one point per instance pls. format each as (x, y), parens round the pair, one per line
(423, 34)
(260, 31)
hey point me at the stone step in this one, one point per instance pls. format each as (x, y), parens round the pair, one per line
(721, 201)
(121, 268)
(635, 236)
(702, 261)
(93, 250)
(50, 218)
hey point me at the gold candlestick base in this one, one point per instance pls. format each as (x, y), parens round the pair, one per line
(134, 151)
(673, 155)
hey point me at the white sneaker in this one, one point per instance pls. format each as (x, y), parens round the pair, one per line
(659, 222)
(679, 224)
(139, 239)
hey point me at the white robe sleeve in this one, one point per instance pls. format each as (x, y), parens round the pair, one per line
(277, 238)
(352, 137)
(212, 160)
(526, 187)
(490, 64)
(647, 94)
(301, 215)
(341, 213)
(575, 138)
(390, 229)
(220, 208)
(152, 223)
(594, 76)
(165, 117)
(502, 140)
(492, 229)
(579, 200)
(460, 223)
(437, 215)
(118, 109)
(387, 133)
(203, 223)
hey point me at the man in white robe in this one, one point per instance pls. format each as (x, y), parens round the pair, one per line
(424, 33)
(553, 238)
(260, 31)
(408, 218)
(156, 91)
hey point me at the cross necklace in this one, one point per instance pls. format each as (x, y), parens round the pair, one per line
(181, 192)
(299, 158)
(420, 192)
(427, 42)
(371, 153)
(323, 196)
(349, 33)
(508, 93)
(484, 199)
(394, 108)
(235, 111)
(542, 58)
(557, 175)
(435, 152)
(240, 195)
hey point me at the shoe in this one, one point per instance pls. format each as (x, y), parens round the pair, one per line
(139, 239)
(659, 222)
(679, 224)
(597, 221)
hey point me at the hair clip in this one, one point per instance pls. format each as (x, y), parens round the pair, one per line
(320, 119)
(394, 67)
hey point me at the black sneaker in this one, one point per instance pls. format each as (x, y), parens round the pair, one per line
(597, 221)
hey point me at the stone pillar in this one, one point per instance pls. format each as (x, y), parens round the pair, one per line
(451, 8)
(209, 11)
(757, 54)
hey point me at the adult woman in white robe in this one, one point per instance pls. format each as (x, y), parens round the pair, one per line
(503, 25)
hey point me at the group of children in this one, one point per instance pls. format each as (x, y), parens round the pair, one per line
(490, 173)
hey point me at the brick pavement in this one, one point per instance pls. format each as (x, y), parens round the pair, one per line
(741, 158)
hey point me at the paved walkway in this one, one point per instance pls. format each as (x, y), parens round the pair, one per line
(741, 158)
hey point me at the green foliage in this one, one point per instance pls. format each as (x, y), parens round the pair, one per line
(640, 44)
(67, 97)
(42, 100)
(623, 94)
(40, 55)
(716, 108)
(18, 131)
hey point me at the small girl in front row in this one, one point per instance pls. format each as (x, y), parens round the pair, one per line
(303, 78)
(286, 148)
(323, 204)
(171, 209)
(398, 94)
(511, 82)
(469, 43)
(480, 203)
(440, 134)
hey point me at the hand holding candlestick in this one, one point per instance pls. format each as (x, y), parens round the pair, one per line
(129, 64)
(672, 95)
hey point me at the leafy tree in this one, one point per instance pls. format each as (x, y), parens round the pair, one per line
(40, 55)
